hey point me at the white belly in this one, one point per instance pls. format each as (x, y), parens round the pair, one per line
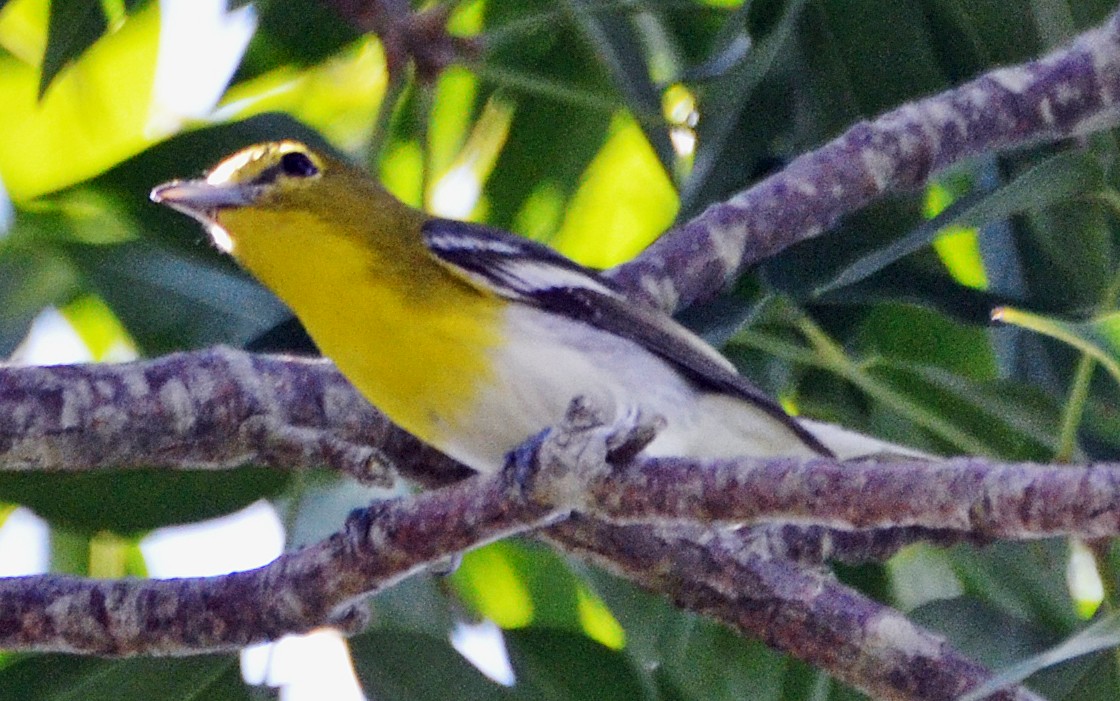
(558, 359)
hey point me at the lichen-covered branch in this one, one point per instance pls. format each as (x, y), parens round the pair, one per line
(731, 576)
(192, 410)
(210, 409)
(1070, 92)
(795, 609)
(815, 545)
(316, 586)
(971, 495)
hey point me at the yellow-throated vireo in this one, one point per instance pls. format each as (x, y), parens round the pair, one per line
(471, 338)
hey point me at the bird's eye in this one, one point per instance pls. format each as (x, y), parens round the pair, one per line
(297, 165)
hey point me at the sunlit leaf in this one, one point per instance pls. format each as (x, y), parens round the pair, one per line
(490, 581)
(452, 115)
(94, 115)
(611, 218)
(339, 96)
(959, 249)
(456, 192)
(920, 574)
(514, 585)
(23, 29)
(99, 329)
(958, 246)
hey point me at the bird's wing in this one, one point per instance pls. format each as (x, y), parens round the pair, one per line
(530, 273)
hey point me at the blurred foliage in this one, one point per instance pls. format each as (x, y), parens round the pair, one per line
(574, 125)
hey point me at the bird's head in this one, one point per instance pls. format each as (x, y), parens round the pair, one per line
(266, 188)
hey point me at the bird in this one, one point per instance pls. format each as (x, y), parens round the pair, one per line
(472, 338)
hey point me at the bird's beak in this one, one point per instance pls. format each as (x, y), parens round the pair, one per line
(201, 199)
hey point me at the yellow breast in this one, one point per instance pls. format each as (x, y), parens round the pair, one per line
(414, 339)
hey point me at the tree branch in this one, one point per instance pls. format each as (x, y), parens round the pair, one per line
(711, 571)
(1072, 91)
(794, 609)
(210, 409)
(189, 411)
(316, 586)
(972, 495)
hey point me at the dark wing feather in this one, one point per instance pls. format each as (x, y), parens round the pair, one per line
(530, 273)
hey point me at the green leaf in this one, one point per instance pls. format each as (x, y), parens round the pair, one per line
(397, 665)
(867, 30)
(739, 122)
(167, 301)
(543, 131)
(617, 38)
(31, 278)
(1027, 580)
(972, 625)
(1102, 634)
(1029, 416)
(74, 26)
(975, 417)
(1096, 679)
(919, 336)
(609, 219)
(73, 678)
(300, 32)
(1058, 670)
(104, 96)
(690, 657)
(1099, 337)
(134, 501)
(559, 665)
(1050, 182)
(919, 574)
(1065, 271)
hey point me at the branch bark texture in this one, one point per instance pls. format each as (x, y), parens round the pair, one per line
(211, 409)
(316, 586)
(800, 611)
